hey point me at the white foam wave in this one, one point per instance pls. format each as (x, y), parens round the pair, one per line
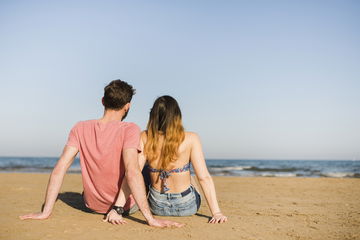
(75, 169)
(278, 175)
(237, 168)
(338, 174)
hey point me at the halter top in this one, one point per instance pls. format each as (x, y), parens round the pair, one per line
(164, 174)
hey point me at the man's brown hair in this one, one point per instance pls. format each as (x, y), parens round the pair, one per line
(117, 94)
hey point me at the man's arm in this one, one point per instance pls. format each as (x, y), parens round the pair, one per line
(136, 184)
(55, 182)
(112, 216)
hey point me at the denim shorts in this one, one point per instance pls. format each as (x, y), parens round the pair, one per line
(174, 204)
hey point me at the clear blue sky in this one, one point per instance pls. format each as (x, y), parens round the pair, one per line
(256, 79)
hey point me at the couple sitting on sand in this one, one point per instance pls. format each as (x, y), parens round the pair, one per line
(113, 153)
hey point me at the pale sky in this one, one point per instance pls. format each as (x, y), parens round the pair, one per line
(255, 79)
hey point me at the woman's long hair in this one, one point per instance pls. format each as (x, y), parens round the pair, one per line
(164, 120)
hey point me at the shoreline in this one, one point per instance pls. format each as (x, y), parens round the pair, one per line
(356, 176)
(257, 208)
(242, 168)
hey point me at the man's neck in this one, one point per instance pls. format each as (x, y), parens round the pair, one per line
(112, 115)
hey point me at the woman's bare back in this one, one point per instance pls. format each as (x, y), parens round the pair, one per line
(177, 181)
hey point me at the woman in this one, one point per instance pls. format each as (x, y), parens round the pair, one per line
(168, 151)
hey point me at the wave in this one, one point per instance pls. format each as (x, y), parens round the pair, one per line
(35, 168)
(235, 168)
(278, 175)
(340, 174)
(23, 167)
(258, 169)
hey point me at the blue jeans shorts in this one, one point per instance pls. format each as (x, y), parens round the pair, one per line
(174, 204)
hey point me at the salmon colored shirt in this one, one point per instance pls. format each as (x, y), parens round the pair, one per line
(102, 167)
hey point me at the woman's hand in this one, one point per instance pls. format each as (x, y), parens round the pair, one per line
(161, 223)
(218, 218)
(37, 216)
(114, 218)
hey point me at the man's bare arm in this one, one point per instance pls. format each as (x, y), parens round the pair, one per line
(55, 182)
(125, 190)
(112, 216)
(136, 182)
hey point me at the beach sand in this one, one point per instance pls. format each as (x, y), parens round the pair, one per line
(257, 208)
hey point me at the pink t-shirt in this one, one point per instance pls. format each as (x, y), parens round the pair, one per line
(102, 167)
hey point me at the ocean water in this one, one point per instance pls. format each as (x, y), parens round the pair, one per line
(219, 167)
(284, 168)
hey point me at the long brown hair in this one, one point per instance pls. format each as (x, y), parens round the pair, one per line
(165, 120)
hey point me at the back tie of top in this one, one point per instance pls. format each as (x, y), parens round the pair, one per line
(164, 174)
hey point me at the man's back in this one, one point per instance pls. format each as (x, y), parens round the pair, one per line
(100, 145)
(106, 146)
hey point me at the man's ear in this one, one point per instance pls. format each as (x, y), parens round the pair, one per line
(102, 101)
(127, 107)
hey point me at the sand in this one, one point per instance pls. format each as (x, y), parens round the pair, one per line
(257, 208)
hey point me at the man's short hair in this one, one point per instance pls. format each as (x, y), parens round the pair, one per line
(116, 94)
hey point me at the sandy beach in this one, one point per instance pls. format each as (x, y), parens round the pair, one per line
(258, 208)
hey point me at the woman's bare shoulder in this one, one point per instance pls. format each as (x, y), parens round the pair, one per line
(143, 136)
(192, 137)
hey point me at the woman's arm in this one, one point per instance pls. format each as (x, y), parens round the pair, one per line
(55, 182)
(205, 180)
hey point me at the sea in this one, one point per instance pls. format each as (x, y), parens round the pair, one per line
(217, 167)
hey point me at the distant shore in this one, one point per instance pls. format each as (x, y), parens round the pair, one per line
(258, 208)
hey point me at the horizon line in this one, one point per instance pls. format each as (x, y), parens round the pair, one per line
(216, 159)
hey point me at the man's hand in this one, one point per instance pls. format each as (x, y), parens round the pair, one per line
(53, 188)
(37, 216)
(114, 218)
(164, 223)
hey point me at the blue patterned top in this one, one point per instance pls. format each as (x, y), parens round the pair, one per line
(164, 174)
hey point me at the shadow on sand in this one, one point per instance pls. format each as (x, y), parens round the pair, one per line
(204, 216)
(75, 200)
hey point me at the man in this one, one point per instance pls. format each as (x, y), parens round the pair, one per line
(108, 155)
